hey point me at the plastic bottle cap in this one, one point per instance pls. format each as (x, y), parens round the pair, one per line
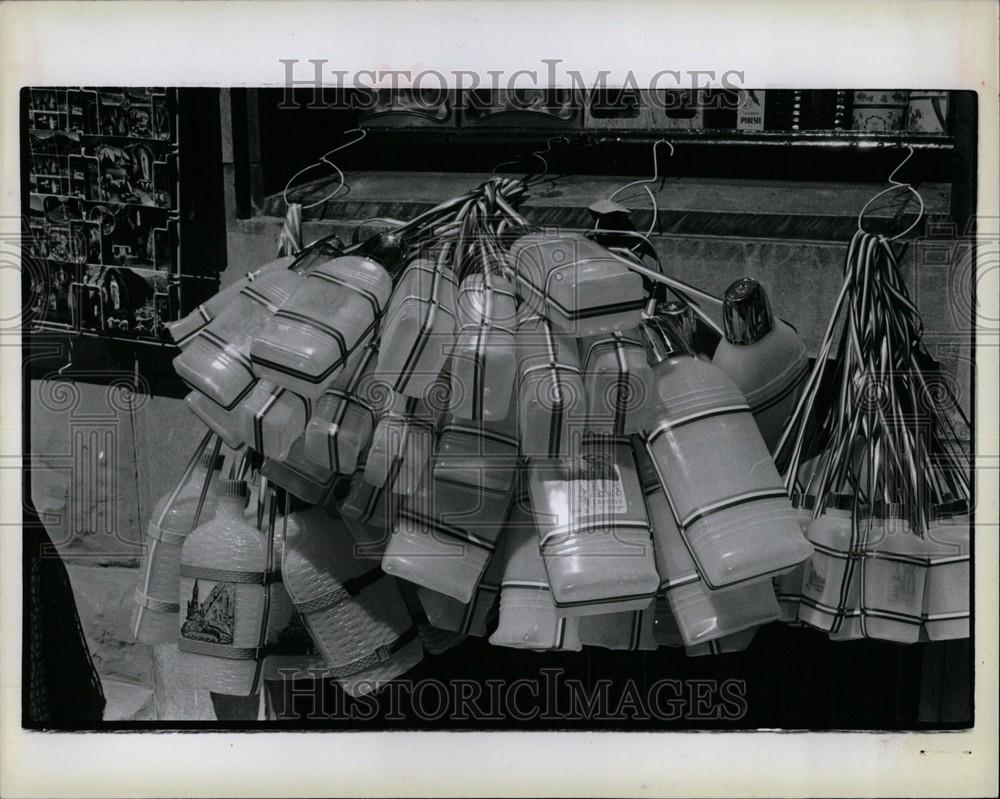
(746, 312)
(681, 319)
(205, 461)
(661, 340)
(233, 488)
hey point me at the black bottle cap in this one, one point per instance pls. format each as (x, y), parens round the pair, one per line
(746, 312)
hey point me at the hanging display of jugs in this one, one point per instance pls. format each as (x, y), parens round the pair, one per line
(577, 284)
(173, 518)
(484, 359)
(947, 582)
(315, 330)
(551, 405)
(216, 362)
(344, 416)
(230, 609)
(183, 331)
(593, 528)
(762, 355)
(633, 631)
(617, 381)
(352, 609)
(699, 614)
(419, 327)
(731, 506)
(528, 616)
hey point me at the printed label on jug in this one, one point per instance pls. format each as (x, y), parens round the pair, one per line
(814, 580)
(599, 490)
(904, 583)
(214, 619)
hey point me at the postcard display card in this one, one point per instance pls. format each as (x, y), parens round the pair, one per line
(103, 210)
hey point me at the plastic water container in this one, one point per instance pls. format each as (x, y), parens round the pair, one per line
(946, 585)
(374, 506)
(309, 339)
(217, 360)
(665, 629)
(632, 631)
(722, 485)
(700, 614)
(429, 552)
(617, 381)
(435, 640)
(231, 609)
(593, 528)
(551, 404)
(484, 359)
(271, 419)
(353, 611)
(183, 331)
(730, 645)
(577, 284)
(419, 328)
(170, 524)
(528, 616)
(402, 446)
(474, 474)
(471, 618)
(763, 356)
(225, 424)
(892, 580)
(344, 416)
(300, 477)
(827, 575)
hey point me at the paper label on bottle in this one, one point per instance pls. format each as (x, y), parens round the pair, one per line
(599, 490)
(210, 615)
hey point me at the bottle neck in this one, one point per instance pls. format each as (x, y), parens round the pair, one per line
(230, 507)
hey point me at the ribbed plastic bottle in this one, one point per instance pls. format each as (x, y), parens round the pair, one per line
(231, 609)
(170, 524)
(217, 360)
(309, 339)
(593, 528)
(722, 485)
(484, 359)
(418, 331)
(402, 445)
(471, 618)
(183, 331)
(762, 355)
(551, 403)
(631, 631)
(354, 612)
(344, 417)
(577, 284)
(946, 586)
(528, 616)
(617, 381)
(700, 615)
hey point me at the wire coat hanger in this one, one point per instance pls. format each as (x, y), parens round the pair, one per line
(645, 183)
(895, 185)
(324, 160)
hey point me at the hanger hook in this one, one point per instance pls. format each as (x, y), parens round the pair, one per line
(325, 160)
(896, 185)
(656, 169)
